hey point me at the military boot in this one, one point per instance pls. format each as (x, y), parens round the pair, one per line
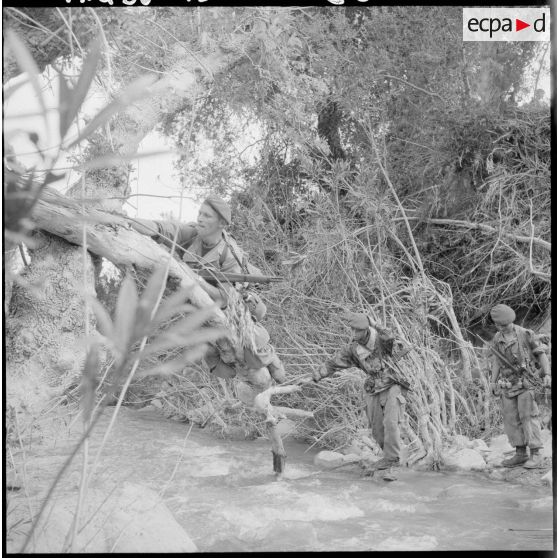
(519, 458)
(536, 459)
(390, 474)
(385, 463)
(278, 462)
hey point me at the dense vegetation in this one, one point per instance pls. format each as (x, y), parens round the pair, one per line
(392, 170)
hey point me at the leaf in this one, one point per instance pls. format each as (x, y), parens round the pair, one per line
(125, 314)
(81, 89)
(9, 90)
(167, 309)
(172, 340)
(194, 320)
(177, 364)
(135, 91)
(173, 305)
(27, 64)
(155, 323)
(52, 177)
(89, 382)
(151, 292)
(64, 100)
(104, 323)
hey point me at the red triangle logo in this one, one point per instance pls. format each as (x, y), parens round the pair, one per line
(519, 25)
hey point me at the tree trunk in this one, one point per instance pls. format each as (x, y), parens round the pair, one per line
(111, 237)
(45, 345)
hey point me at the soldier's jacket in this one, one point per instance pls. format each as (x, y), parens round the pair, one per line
(192, 251)
(521, 349)
(368, 358)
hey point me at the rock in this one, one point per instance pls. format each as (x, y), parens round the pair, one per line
(466, 460)
(478, 444)
(351, 458)
(328, 459)
(157, 403)
(547, 478)
(459, 442)
(133, 519)
(353, 448)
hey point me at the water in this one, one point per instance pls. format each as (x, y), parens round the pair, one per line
(225, 496)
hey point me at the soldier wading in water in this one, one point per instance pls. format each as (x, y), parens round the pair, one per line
(371, 350)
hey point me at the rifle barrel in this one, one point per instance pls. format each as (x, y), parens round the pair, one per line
(220, 277)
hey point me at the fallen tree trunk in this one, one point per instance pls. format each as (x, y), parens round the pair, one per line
(112, 237)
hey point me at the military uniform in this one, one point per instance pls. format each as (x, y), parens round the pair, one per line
(226, 256)
(515, 373)
(193, 252)
(384, 395)
(520, 411)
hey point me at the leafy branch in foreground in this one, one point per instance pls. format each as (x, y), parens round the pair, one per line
(137, 318)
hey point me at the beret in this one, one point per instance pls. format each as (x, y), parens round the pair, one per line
(503, 314)
(220, 206)
(356, 321)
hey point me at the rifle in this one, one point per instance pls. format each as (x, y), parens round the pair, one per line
(392, 364)
(307, 378)
(519, 371)
(215, 276)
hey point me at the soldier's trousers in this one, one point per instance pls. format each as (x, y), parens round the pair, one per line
(385, 412)
(521, 420)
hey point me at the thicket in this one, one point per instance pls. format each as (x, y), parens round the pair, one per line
(399, 189)
(392, 172)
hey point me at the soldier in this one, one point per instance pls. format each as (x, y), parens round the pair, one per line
(205, 244)
(513, 375)
(259, 364)
(371, 350)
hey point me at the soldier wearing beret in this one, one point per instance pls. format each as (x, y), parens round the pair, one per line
(371, 350)
(521, 349)
(206, 244)
(203, 244)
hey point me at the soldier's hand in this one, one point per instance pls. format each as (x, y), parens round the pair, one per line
(316, 376)
(547, 380)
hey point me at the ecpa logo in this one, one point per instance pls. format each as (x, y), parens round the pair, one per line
(506, 24)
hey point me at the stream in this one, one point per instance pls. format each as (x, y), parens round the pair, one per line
(225, 496)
